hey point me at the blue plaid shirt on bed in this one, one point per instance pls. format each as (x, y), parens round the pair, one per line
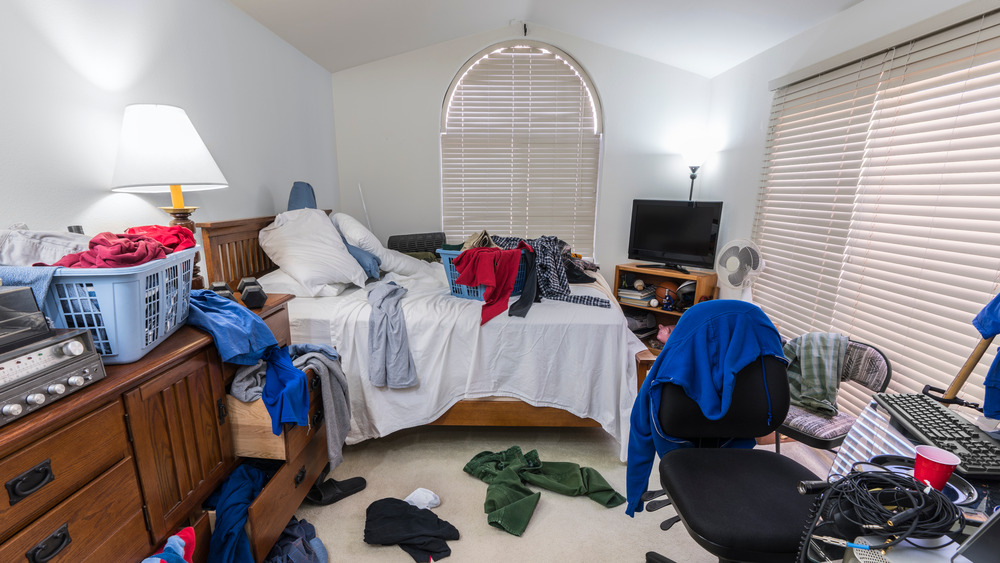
(552, 280)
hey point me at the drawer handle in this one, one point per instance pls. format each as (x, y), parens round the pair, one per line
(317, 416)
(300, 476)
(50, 546)
(30, 481)
(314, 382)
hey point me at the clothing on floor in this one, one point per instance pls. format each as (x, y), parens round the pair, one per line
(391, 362)
(987, 322)
(174, 237)
(423, 498)
(179, 548)
(109, 250)
(711, 343)
(38, 278)
(510, 503)
(815, 361)
(495, 270)
(552, 281)
(229, 542)
(298, 544)
(240, 335)
(324, 361)
(418, 531)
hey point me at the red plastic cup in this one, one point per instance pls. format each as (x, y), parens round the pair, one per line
(933, 466)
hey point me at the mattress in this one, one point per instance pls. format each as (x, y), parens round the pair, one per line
(573, 357)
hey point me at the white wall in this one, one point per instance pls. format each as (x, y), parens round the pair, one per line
(71, 66)
(388, 124)
(741, 97)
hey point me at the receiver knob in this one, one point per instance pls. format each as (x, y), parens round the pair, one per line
(56, 389)
(11, 410)
(35, 399)
(71, 348)
(76, 381)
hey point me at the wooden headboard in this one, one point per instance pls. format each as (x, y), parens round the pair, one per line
(232, 250)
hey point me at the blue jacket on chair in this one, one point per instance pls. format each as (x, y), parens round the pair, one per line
(711, 343)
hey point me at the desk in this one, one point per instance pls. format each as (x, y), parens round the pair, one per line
(873, 434)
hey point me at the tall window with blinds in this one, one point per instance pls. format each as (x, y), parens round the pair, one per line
(879, 211)
(521, 146)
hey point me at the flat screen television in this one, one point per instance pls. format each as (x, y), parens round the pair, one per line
(675, 234)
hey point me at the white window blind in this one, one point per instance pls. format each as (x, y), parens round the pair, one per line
(879, 213)
(520, 147)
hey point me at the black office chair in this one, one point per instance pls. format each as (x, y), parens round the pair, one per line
(865, 371)
(739, 504)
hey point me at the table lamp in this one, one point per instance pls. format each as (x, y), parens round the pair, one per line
(159, 152)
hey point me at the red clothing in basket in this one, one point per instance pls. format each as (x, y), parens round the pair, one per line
(493, 268)
(108, 250)
(174, 237)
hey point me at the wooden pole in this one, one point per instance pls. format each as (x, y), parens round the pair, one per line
(970, 364)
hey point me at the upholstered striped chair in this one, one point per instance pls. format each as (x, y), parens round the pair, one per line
(865, 371)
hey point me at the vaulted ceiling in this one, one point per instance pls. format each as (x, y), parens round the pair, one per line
(706, 37)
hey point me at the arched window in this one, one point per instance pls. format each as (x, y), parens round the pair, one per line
(521, 146)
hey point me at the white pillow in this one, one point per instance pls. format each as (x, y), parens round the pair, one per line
(392, 261)
(307, 247)
(280, 282)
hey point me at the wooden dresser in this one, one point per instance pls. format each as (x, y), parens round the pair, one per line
(109, 472)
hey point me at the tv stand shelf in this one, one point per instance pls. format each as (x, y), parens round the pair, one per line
(650, 274)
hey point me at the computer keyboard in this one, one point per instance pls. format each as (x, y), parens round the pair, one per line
(931, 423)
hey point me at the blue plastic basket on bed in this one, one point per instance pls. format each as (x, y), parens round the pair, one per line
(470, 292)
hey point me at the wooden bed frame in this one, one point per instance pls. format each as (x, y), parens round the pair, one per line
(232, 252)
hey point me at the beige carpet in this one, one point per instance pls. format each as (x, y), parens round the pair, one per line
(562, 528)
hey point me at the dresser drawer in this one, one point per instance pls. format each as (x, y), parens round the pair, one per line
(270, 512)
(251, 423)
(100, 522)
(39, 476)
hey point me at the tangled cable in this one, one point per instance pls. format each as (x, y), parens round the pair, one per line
(891, 506)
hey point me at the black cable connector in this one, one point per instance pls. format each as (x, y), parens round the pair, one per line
(811, 487)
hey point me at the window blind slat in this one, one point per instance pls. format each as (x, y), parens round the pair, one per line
(881, 221)
(520, 147)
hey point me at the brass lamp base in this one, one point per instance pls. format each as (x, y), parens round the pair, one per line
(182, 216)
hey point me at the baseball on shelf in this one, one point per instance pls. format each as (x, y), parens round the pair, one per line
(653, 303)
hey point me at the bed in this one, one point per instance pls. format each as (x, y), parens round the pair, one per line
(563, 365)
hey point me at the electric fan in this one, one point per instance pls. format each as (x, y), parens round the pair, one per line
(739, 265)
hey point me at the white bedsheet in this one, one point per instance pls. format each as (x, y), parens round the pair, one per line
(577, 358)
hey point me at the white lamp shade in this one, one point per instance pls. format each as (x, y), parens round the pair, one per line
(160, 148)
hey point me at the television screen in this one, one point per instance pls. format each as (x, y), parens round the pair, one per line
(675, 233)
